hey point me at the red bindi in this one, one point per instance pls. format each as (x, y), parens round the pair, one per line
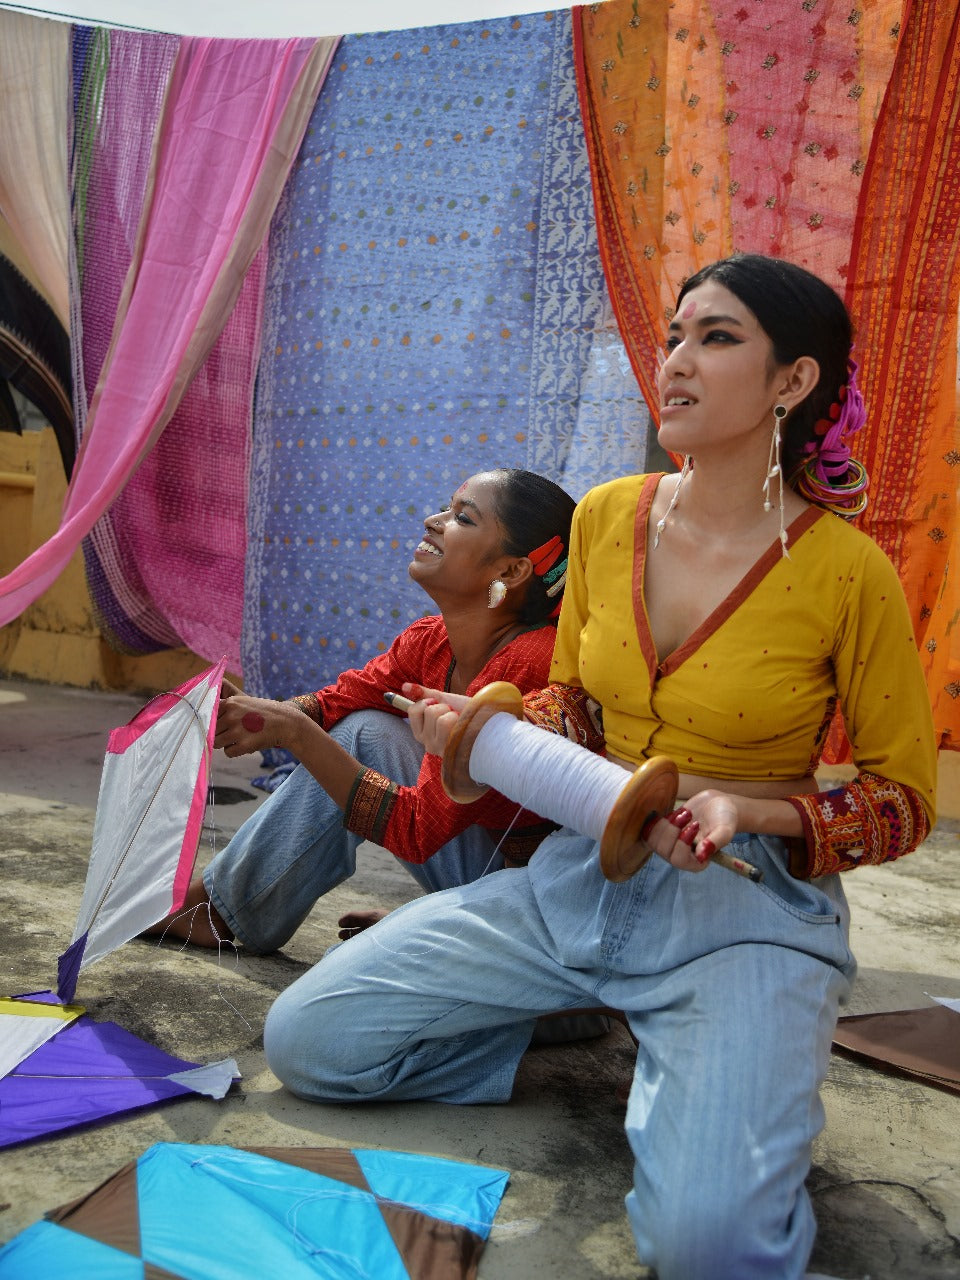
(689, 309)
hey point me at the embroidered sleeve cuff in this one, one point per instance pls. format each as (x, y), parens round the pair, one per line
(569, 711)
(309, 704)
(369, 804)
(869, 821)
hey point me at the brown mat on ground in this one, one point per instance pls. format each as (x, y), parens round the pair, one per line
(923, 1043)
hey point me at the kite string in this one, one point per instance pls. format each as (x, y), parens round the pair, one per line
(500, 842)
(221, 943)
(212, 836)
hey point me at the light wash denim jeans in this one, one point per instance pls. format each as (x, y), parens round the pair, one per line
(731, 988)
(295, 848)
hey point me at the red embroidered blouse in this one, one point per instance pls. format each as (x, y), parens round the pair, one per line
(414, 822)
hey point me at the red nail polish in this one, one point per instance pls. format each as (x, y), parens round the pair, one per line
(648, 826)
(689, 833)
(705, 850)
(680, 817)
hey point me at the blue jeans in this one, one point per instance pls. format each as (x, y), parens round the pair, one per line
(731, 988)
(295, 848)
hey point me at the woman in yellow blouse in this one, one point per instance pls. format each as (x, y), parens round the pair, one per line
(719, 617)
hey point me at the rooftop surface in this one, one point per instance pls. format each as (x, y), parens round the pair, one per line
(886, 1172)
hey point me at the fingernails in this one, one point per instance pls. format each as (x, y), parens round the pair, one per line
(648, 826)
(679, 817)
(705, 850)
(689, 833)
(414, 691)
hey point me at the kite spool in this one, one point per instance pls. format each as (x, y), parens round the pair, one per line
(555, 777)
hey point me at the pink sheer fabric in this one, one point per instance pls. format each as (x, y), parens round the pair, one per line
(172, 547)
(234, 116)
(182, 517)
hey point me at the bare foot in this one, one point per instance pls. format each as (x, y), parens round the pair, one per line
(355, 922)
(197, 921)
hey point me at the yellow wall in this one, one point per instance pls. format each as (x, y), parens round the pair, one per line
(57, 640)
(948, 788)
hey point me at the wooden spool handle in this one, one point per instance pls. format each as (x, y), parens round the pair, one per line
(651, 792)
(455, 764)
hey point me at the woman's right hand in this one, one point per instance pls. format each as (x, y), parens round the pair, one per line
(690, 835)
(433, 715)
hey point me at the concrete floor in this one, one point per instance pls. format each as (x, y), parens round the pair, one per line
(886, 1175)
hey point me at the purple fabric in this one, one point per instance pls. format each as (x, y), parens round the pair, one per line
(182, 516)
(88, 1071)
(68, 969)
(120, 127)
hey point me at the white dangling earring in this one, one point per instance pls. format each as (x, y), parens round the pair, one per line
(497, 593)
(684, 472)
(775, 471)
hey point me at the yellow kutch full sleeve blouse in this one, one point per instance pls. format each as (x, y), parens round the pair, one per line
(751, 693)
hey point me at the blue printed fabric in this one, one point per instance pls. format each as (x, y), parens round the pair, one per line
(436, 307)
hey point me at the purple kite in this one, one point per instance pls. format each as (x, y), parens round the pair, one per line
(91, 1070)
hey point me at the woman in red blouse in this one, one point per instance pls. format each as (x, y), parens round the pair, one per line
(494, 564)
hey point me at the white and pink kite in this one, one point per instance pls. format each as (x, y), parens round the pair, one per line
(153, 793)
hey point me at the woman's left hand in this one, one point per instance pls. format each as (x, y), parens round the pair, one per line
(247, 724)
(688, 837)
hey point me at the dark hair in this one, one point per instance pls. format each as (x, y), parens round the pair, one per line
(531, 510)
(802, 316)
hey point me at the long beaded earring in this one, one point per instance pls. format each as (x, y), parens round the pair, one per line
(775, 472)
(684, 472)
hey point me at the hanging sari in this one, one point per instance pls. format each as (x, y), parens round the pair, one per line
(827, 136)
(233, 118)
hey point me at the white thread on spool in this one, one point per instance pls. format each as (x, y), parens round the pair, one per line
(546, 773)
(560, 780)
